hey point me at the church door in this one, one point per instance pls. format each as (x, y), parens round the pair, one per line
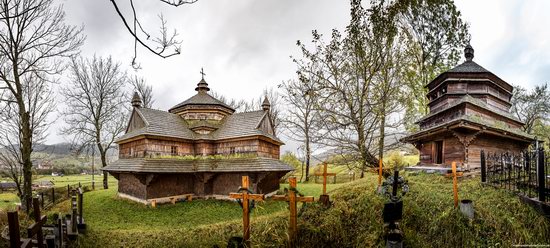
(438, 152)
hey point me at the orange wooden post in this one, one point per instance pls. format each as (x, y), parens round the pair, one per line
(380, 172)
(293, 200)
(245, 196)
(455, 184)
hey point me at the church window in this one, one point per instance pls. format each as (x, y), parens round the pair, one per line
(174, 150)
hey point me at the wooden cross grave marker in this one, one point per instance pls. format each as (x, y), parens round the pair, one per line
(245, 195)
(455, 184)
(324, 197)
(293, 200)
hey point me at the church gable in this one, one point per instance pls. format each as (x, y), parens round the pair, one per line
(136, 122)
(265, 125)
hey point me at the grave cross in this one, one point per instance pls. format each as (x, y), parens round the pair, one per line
(245, 197)
(292, 200)
(325, 175)
(455, 184)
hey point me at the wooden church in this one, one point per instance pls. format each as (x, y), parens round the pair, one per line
(200, 146)
(469, 112)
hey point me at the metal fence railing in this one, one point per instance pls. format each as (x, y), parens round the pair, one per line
(527, 173)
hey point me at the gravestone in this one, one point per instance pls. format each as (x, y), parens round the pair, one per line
(393, 209)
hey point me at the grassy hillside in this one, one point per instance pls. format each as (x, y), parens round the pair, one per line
(354, 220)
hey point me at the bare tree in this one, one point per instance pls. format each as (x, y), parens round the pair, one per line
(241, 105)
(34, 41)
(301, 119)
(144, 90)
(37, 92)
(167, 45)
(96, 100)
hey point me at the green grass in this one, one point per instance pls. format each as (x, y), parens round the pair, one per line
(354, 220)
(430, 219)
(8, 201)
(73, 179)
(411, 159)
(111, 219)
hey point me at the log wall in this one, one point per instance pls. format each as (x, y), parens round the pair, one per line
(492, 144)
(153, 147)
(201, 184)
(129, 184)
(241, 146)
(268, 150)
(169, 185)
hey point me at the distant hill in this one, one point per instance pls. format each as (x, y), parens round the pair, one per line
(57, 149)
(65, 149)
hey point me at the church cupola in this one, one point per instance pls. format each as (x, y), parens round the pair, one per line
(136, 100)
(469, 52)
(265, 104)
(202, 86)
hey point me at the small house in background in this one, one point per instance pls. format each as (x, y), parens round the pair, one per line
(45, 165)
(7, 186)
(469, 112)
(200, 146)
(42, 184)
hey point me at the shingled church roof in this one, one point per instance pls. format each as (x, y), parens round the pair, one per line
(164, 124)
(202, 98)
(468, 67)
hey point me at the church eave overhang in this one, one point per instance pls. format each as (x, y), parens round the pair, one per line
(467, 124)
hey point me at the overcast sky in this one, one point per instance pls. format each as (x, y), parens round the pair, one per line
(244, 45)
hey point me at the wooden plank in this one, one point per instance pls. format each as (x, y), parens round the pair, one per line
(13, 223)
(36, 227)
(280, 198)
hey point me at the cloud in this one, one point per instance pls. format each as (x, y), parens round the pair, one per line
(244, 46)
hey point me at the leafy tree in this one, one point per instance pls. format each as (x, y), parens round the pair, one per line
(531, 107)
(96, 103)
(541, 130)
(345, 74)
(392, 68)
(34, 42)
(435, 34)
(291, 159)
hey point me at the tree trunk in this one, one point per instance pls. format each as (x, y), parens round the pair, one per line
(25, 140)
(103, 154)
(26, 150)
(382, 134)
(308, 156)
